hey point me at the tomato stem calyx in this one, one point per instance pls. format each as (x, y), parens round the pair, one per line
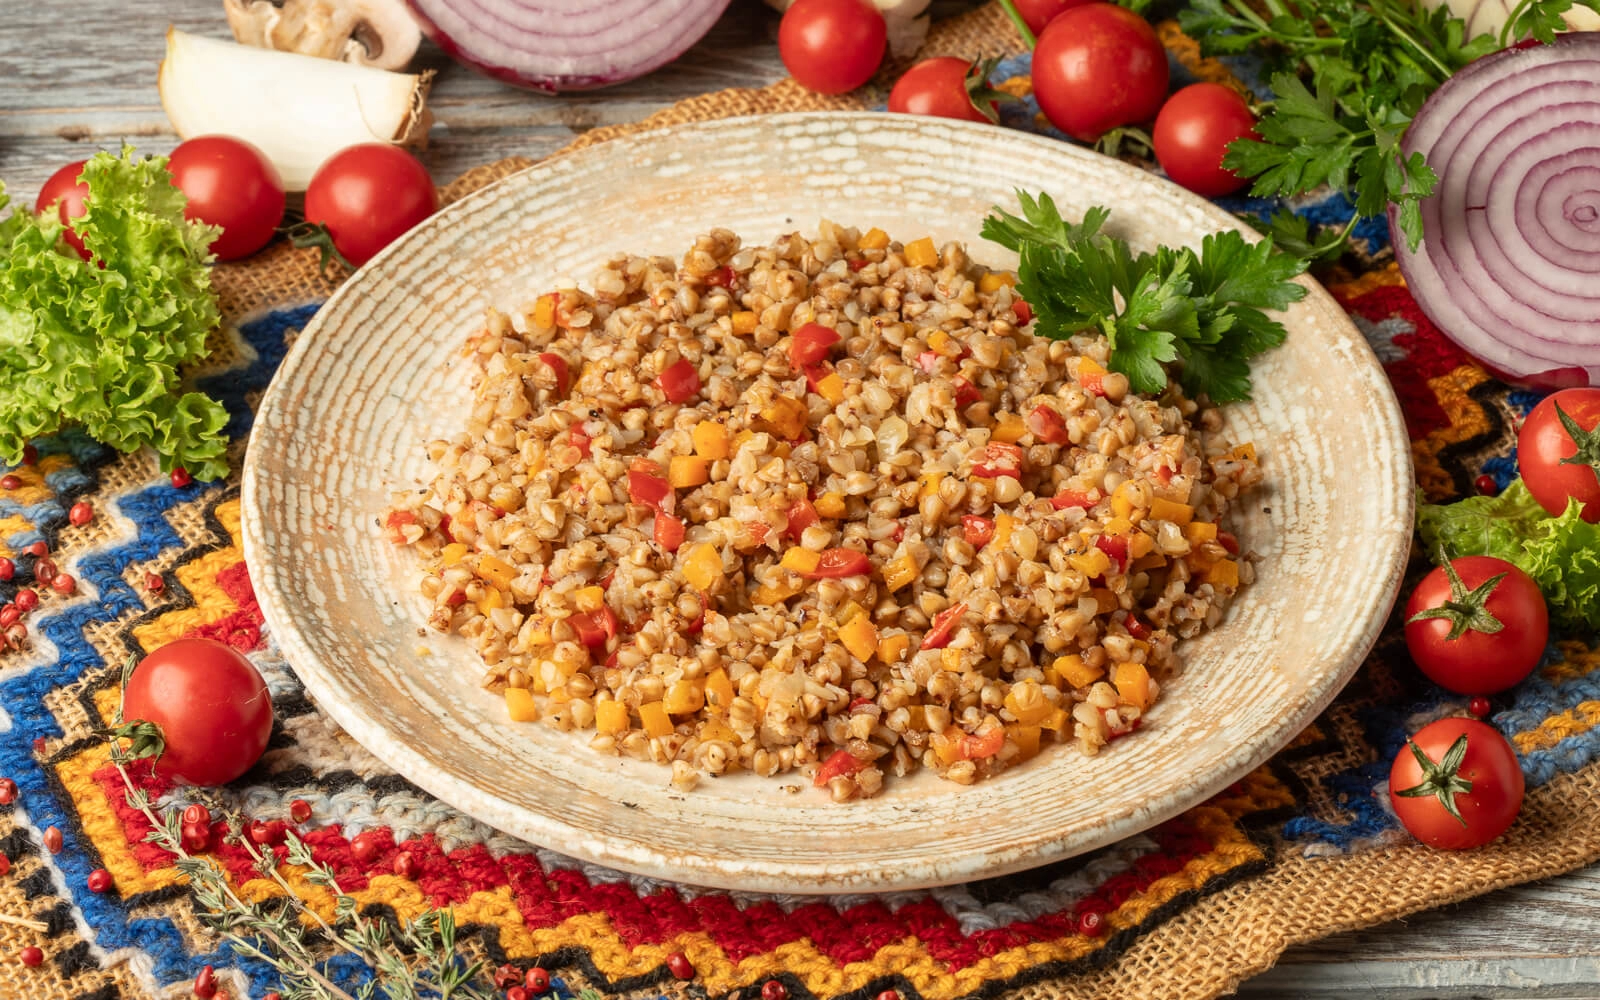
(983, 96)
(145, 739)
(1466, 610)
(1587, 442)
(306, 233)
(1441, 780)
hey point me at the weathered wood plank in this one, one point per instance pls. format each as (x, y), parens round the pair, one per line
(72, 83)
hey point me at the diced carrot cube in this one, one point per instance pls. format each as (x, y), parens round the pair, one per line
(611, 717)
(1140, 544)
(1222, 573)
(497, 571)
(520, 705)
(831, 388)
(829, 505)
(996, 280)
(685, 696)
(873, 239)
(859, 636)
(786, 416)
(1026, 737)
(452, 553)
(766, 596)
(1198, 532)
(899, 572)
(1091, 564)
(1008, 428)
(710, 440)
(940, 342)
(684, 471)
(719, 690)
(744, 321)
(1075, 673)
(1132, 682)
(655, 720)
(892, 648)
(1167, 510)
(800, 560)
(702, 567)
(922, 253)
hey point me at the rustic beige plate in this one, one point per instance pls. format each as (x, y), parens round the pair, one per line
(377, 374)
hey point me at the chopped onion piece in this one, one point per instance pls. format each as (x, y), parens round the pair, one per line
(557, 45)
(1509, 264)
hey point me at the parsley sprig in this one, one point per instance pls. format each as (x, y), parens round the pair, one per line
(1348, 76)
(1204, 310)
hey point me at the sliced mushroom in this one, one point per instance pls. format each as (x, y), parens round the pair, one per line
(379, 33)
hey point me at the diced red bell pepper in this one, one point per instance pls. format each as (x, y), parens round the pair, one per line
(966, 392)
(802, 515)
(837, 563)
(651, 490)
(1093, 383)
(928, 361)
(595, 627)
(1164, 474)
(1137, 628)
(558, 364)
(444, 528)
(856, 703)
(858, 264)
(1024, 312)
(943, 624)
(605, 581)
(811, 343)
(397, 522)
(680, 382)
(722, 277)
(999, 459)
(1116, 547)
(669, 531)
(814, 376)
(1048, 425)
(456, 599)
(1228, 542)
(982, 747)
(580, 440)
(1071, 498)
(759, 530)
(840, 764)
(976, 530)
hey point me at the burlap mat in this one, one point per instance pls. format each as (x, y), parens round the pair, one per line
(1300, 850)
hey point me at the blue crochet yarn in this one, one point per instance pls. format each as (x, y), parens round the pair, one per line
(266, 336)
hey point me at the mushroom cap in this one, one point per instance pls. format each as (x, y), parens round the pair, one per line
(380, 33)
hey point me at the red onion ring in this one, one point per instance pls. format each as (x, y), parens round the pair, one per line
(1509, 264)
(558, 45)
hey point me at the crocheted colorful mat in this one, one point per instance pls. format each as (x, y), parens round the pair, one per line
(1303, 847)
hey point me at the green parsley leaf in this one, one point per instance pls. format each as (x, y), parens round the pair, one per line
(1205, 310)
(100, 346)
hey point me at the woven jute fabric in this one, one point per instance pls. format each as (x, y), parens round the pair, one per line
(1302, 848)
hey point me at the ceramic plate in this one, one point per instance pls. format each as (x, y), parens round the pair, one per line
(378, 373)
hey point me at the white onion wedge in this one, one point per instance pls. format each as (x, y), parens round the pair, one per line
(298, 109)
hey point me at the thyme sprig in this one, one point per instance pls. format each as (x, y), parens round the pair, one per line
(417, 960)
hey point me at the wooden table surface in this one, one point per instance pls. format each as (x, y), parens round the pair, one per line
(81, 77)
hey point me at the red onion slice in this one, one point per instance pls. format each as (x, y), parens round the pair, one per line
(557, 45)
(1509, 264)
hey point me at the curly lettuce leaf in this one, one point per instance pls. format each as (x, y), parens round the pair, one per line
(1561, 554)
(100, 346)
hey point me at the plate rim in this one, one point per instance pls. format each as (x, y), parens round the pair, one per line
(631, 854)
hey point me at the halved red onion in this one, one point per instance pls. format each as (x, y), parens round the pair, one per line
(556, 45)
(1509, 264)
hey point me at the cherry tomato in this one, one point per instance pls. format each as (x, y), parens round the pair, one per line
(1192, 133)
(1048, 425)
(840, 764)
(1115, 546)
(669, 532)
(999, 459)
(832, 46)
(1558, 452)
(558, 366)
(937, 87)
(650, 488)
(595, 627)
(1456, 784)
(809, 344)
(210, 705)
(1038, 13)
(1481, 632)
(67, 193)
(837, 563)
(943, 624)
(679, 382)
(976, 530)
(367, 195)
(1098, 66)
(229, 183)
(802, 515)
(1071, 498)
(974, 747)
